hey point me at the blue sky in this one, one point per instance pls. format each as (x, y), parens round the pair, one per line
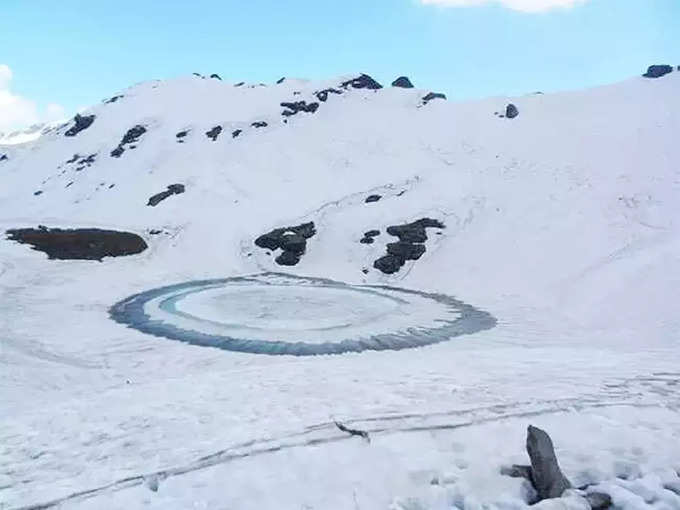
(72, 53)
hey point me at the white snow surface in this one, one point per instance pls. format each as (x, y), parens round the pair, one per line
(562, 223)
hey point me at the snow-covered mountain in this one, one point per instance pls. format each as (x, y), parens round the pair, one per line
(29, 134)
(561, 221)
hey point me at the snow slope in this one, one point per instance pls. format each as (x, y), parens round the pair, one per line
(562, 223)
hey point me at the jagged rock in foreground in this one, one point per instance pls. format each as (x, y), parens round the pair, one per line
(546, 474)
(79, 244)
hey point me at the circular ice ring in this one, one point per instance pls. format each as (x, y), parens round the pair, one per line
(236, 314)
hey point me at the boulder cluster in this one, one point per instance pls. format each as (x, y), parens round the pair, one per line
(131, 137)
(410, 246)
(291, 240)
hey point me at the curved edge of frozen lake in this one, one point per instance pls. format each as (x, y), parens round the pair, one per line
(155, 312)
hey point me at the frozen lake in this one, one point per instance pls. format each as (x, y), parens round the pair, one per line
(273, 313)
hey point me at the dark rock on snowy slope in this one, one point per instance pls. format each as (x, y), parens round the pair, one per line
(173, 189)
(546, 474)
(239, 84)
(402, 82)
(410, 247)
(3, 157)
(293, 108)
(79, 244)
(292, 240)
(511, 111)
(322, 95)
(81, 123)
(364, 81)
(259, 124)
(181, 135)
(113, 99)
(84, 162)
(657, 71)
(389, 264)
(236, 133)
(406, 251)
(372, 198)
(280, 80)
(133, 134)
(433, 95)
(214, 133)
(216, 76)
(368, 237)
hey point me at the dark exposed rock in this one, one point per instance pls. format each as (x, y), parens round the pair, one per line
(3, 157)
(37, 193)
(372, 198)
(372, 233)
(113, 99)
(214, 133)
(409, 247)
(366, 240)
(181, 134)
(511, 111)
(85, 161)
(406, 251)
(363, 81)
(517, 471)
(259, 124)
(81, 244)
(657, 71)
(216, 76)
(546, 475)
(298, 106)
(155, 231)
(389, 264)
(198, 74)
(402, 82)
(133, 134)
(240, 84)
(280, 80)
(287, 258)
(81, 123)
(73, 159)
(173, 189)
(236, 132)
(292, 240)
(322, 95)
(414, 232)
(433, 95)
(598, 500)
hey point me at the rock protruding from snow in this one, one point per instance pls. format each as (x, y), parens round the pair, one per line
(368, 237)
(214, 133)
(433, 95)
(133, 134)
(114, 99)
(410, 246)
(511, 111)
(322, 95)
(3, 157)
(173, 189)
(546, 474)
(293, 108)
(372, 198)
(79, 244)
(216, 76)
(402, 82)
(82, 122)
(598, 500)
(259, 124)
(363, 81)
(236, 133)
(657, 71)
(291, 240)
